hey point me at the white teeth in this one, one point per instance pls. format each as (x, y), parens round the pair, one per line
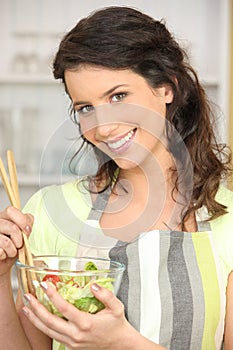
(121, 142)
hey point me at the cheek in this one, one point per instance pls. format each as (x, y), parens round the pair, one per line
(86, 129)
(89, 135)
(160, 107)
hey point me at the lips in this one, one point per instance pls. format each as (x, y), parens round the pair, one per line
(122, 143)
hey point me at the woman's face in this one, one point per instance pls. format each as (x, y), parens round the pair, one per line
(119, 112)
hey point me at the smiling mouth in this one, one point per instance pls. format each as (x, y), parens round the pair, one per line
(123, 143)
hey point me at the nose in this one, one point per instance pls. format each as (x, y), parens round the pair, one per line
(103, 131)
(105, 122)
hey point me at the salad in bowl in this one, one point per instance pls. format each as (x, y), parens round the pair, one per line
(72, 278)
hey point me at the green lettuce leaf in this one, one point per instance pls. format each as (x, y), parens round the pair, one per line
(91, 305)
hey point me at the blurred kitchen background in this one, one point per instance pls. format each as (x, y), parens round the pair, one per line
(34, 110)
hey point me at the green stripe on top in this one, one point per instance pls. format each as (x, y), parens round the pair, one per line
(207, 266)
(197, 292)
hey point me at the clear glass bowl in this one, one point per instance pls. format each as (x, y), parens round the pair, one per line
(72, 278)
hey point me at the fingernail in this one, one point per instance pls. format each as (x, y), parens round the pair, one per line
(27, 298)
(95, 287)
(44, 285)
(28, 229)
(25, 311)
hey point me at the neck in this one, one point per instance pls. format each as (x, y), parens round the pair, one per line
(153, 184)
(154, 170)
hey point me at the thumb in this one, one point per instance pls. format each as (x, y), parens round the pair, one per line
(104, 295)
(29, 223)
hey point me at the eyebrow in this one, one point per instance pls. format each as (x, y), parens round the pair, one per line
(106, 93)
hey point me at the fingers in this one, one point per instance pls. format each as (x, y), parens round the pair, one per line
(12, 230)
(53, 326)
(78, 331)
(12, 222)
(8, 248)
(110, 301)
(2, 254)
(43, 320)
(66, 309)
(14, 215)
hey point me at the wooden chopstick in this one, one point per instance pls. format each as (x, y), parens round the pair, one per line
(12, 190)
(7, 185)
(13, 176)
(15, 190)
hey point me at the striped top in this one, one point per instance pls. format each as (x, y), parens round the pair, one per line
(174, 284)
(171, 289)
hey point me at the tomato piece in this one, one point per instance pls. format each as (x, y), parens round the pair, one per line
(52, 278)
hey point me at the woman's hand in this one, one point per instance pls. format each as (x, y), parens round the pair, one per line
(12, 223)
(105, 330)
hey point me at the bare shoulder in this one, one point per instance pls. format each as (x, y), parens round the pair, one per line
(228, 338)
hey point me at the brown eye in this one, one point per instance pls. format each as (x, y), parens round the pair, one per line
(85, 110)
(118, 97)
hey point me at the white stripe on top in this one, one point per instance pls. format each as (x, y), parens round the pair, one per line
(149, 246)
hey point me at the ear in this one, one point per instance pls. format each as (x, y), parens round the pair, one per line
(168, 94)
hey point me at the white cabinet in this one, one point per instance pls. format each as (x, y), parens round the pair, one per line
(33, 123)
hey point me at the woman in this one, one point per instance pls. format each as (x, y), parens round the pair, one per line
(157, 194)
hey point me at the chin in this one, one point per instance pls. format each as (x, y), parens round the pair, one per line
(125, 164)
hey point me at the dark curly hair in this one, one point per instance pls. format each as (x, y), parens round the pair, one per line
(125, 38)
